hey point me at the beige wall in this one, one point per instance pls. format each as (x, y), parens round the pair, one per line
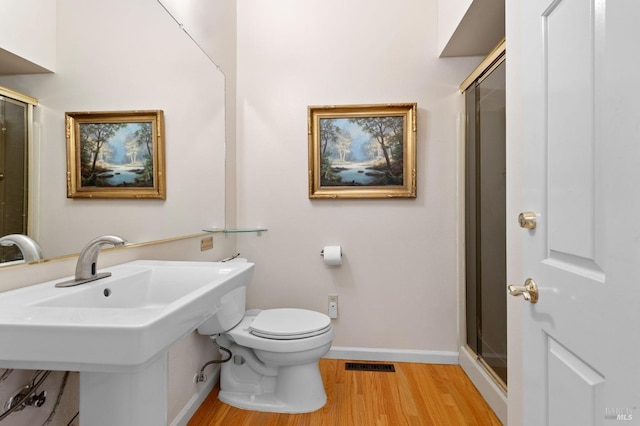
(398, 285)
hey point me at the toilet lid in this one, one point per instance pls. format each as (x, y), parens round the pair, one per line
(289, 323)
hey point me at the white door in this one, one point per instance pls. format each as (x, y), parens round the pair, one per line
(581, 146)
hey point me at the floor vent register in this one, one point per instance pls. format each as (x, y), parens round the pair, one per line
(362, 366)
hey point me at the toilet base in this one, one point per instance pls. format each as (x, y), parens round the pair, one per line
(298, 389)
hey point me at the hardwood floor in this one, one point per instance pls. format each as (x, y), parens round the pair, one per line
(416, 394)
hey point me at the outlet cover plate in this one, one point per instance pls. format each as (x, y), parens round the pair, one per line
(206, 243)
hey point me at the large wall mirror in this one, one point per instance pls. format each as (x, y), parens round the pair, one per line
(134, 57)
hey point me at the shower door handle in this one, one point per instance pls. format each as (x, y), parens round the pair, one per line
(529, 291)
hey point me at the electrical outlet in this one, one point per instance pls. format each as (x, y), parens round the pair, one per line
(333, 306)
(206, 243)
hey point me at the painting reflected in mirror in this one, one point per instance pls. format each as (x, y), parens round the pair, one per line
(116, 154)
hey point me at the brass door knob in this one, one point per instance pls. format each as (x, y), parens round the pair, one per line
(527, 220)
(529, 291)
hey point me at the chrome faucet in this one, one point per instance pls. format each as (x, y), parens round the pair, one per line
(29, 248)
(86, 270)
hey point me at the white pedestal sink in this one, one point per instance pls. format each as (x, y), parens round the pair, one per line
(115, 331)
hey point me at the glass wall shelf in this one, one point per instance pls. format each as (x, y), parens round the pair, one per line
(258, 231)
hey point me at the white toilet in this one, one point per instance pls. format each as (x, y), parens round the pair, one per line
(275, 354)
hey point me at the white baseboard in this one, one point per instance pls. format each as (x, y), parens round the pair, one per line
(197, 399)
(490, 391)
(398, 355)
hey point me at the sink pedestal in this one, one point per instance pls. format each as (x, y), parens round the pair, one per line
(125, 399)
(116, 331)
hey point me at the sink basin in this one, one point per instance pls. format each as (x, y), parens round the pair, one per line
(151, 285)
(115, 324)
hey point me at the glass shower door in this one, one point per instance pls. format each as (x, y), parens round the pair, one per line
(486, 220)
(13, 173)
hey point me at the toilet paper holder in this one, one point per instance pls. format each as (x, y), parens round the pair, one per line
(322, 252)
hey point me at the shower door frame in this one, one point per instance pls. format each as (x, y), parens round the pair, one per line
(491, 388)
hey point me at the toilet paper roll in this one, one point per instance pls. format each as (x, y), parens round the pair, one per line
(332, 255)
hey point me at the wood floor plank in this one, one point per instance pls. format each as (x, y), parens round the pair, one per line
(416, 395)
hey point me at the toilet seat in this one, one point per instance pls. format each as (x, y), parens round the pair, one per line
(289, 324)
(244, 336)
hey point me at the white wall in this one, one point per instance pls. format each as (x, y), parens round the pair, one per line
(28, 31)
(398, 285)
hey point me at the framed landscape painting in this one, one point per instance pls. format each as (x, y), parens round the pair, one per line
(362, 151)
(117, 154)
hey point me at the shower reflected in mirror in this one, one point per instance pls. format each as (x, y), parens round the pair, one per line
(14, 171)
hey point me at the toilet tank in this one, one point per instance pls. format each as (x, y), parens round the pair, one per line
(228, 312)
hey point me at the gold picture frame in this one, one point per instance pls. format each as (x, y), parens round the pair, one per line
(362, 151)
(116, 154)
